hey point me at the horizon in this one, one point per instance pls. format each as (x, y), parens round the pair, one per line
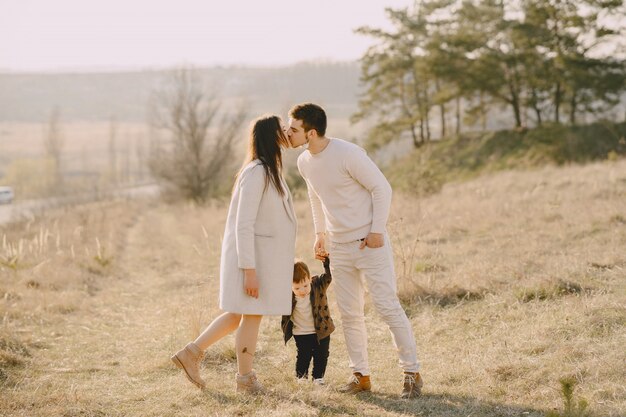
(147, 69)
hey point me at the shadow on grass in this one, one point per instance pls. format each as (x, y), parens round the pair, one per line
(326, 401)
(371, 404)
(220, 397)
(446, 405)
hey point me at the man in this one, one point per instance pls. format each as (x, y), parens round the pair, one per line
(350, 200)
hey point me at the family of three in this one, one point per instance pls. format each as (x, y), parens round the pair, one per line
(350, 202)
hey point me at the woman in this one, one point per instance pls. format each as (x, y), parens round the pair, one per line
(257, 256)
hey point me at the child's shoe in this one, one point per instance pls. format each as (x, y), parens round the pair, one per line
(248, 383)
(302, 380)
(319, 381)
(357, 383)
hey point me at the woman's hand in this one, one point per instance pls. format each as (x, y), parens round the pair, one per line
(250, 283)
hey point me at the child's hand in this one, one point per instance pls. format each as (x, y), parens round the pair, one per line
(321, 254)
(319, 248)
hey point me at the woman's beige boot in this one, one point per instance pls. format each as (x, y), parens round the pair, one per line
(248, 383)
(188, 358)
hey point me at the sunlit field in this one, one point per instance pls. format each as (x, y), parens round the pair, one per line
(511, 281)
(100, 154)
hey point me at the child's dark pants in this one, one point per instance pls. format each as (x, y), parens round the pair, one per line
(309, 347)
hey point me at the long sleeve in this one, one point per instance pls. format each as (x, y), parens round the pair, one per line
(326, 278)
(251, 187)
(319, 220)
(316, 208)
(366, 173)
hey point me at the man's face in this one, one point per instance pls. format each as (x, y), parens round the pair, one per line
(302, 289)
(296, 134)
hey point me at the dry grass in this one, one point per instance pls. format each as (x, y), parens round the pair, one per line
(86, 158)
(513, 282)
(91, 139)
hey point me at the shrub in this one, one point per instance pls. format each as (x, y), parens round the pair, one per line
(570, 407)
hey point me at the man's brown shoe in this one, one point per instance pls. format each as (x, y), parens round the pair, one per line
(188, 358)
(357, 383)
(412, 385)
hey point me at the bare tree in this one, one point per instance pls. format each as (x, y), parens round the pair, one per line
(126, 160)
(113, 172)
(200, 136)
(53, 144)
(140, 157)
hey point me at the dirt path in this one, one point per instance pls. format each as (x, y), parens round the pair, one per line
(111, 354)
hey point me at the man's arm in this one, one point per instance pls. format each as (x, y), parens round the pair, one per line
(366, 173)
(319, 221)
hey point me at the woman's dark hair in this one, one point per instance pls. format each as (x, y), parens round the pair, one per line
(266, 139)
(312, 116)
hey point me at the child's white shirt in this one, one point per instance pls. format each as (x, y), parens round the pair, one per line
(302, 316)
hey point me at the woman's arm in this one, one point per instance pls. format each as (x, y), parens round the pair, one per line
(251, 187)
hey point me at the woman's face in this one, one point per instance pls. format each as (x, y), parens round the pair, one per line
(283, 127)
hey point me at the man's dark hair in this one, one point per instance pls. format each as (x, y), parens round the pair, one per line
(312, 116)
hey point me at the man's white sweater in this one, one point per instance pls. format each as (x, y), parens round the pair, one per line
(349, 195)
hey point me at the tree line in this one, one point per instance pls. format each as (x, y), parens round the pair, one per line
(544, 60)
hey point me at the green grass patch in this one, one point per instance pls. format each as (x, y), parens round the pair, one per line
(572, 407)
(470, 155)
(549, 291)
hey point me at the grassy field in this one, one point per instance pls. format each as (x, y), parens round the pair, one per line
(512, 281)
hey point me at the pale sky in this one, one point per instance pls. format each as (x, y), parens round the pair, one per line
(87, 35)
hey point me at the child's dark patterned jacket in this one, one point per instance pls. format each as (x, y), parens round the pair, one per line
(324, 325)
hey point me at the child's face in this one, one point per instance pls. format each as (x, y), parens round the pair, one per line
(302, 289)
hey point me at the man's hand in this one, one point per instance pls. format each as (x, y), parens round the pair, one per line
(319, 247)
(250, 283)
(373, 240)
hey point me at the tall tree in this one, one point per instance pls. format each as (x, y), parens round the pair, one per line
(537, 57)
(569, 33)
(399, 79)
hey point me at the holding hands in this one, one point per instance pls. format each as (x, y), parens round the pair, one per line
(319, 248)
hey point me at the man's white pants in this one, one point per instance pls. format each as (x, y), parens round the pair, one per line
(349, 266)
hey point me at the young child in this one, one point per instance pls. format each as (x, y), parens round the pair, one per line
(310, 322)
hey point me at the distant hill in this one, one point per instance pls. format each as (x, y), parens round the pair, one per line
(423, 171)
(124, 95)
